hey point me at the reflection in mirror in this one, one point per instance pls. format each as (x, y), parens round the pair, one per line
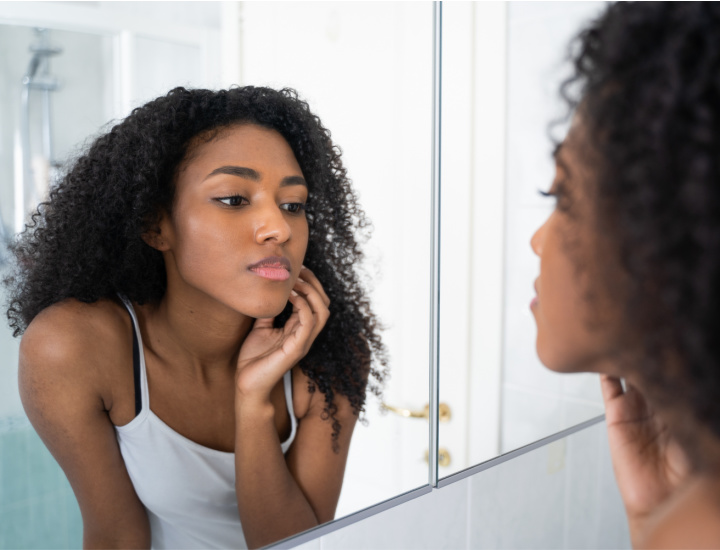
(94, 62)
(502, 64)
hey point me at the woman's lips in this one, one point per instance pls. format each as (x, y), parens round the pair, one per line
(275, 268)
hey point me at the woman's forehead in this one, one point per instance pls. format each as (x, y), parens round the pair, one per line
(247, 144)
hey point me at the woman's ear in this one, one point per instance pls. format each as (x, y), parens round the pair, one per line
(156, 237)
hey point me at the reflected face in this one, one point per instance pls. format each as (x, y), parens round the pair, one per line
(238, 233)
(575, 317)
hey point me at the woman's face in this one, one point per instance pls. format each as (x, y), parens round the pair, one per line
(238, 233)
(575, 314)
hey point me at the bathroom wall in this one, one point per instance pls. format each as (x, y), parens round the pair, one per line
(561, 495)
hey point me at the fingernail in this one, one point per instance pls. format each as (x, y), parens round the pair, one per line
(293, 293)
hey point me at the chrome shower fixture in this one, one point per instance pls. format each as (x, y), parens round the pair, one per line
(38, 166)
(38, 77)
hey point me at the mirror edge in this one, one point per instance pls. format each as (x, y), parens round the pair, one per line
(434, 362)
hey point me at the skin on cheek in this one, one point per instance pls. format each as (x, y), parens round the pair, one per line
(577, 313)
(198, 243)
(557, 309)
(231, 212)
(568, 339)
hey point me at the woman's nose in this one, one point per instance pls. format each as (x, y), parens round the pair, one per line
(538, 238)
(272, 225)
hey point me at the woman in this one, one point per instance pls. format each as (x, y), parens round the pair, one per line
(179, 357)
(629, 281)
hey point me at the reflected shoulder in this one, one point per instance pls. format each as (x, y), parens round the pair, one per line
(71, 339)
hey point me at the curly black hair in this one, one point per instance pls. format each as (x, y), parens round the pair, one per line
(646, 83)
(85, 241)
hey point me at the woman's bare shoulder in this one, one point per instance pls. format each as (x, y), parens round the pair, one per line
(692, 520)
(71, 380)
(76, 340)
(75, 327)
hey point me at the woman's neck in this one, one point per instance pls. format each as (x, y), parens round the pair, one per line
(194, 333)
(690, 518)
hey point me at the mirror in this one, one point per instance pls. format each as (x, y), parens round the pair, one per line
(364, 68)
(503, 64)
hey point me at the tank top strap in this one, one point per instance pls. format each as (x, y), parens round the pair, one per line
(288, 383)
(142, 395)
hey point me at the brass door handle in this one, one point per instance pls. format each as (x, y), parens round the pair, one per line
(443, 457)
(443, 410)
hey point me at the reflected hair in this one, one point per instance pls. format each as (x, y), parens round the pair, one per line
(85, 242)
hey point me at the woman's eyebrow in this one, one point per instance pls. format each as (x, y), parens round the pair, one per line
(253, 175)
(293, 180)
(239, 171)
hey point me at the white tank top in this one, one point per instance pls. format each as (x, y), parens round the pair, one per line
(188, 490)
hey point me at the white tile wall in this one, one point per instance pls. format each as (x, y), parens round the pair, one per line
(562, 495)
(520, 504)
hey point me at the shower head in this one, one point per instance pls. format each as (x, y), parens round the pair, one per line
(42, 51)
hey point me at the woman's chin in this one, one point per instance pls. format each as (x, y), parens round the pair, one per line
(548, 362)
(569, 361)
(266, 310)
(553, 359)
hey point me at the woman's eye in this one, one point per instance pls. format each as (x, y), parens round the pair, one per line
(233, 200)
(547, 194)
(293, 207)
(561, 197)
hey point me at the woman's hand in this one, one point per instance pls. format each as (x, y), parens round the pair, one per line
(649, 465)
(268, 353)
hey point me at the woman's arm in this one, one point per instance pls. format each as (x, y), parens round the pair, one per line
(279, 496)
(61, 379)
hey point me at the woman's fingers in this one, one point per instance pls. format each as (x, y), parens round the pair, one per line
(611, 387)
(623, 404)
(309, 315)
(317, 304)
(268, 352)
(301, 323)
(310, 278)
